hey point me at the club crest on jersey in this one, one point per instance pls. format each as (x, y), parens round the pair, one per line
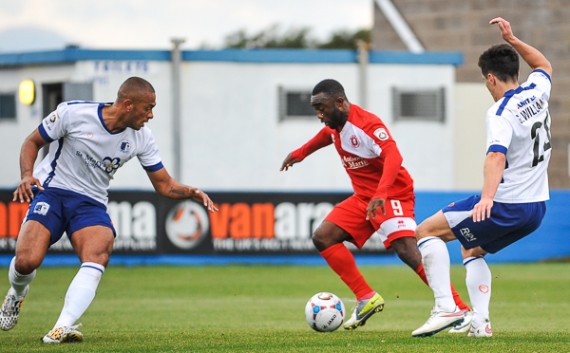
(381, 133)
(354, 141)
(125, 146)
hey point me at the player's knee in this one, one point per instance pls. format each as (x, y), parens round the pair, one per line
(320, 240)
(101, 258)
(25, 265)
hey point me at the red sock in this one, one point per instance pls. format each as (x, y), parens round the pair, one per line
(458, 301)
(341, 260)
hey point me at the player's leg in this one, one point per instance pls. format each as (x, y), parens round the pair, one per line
(397, 229)
(432, 235)
(329, 240)
(347, 222)
(93, 245)
(31, 247)
(508, 224)
(478, 280)
(407, 250)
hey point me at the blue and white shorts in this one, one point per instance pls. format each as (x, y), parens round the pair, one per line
(509, 222)
(67, 211)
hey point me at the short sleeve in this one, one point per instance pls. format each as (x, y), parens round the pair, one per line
(55, 125)
(542, 81)
(499, 132)
(149, 156)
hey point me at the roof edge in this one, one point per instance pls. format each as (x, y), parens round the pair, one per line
(316, 56)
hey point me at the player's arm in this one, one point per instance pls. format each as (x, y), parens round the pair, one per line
(392, 163)
(532, 56)
(493, 168)
(169, 187)
(28, 155)
(320, 140)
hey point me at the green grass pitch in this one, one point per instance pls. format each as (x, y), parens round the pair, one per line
(261, 309)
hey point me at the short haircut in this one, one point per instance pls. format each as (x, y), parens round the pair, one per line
(134, 87)
(329, 87)
(502, 61)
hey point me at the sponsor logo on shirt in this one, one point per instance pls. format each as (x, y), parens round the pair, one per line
(41, 208)
(381, 133)
(350, 162)
(111, 164)
(108, 164)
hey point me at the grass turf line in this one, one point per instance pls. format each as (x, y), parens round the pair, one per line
(261, 309)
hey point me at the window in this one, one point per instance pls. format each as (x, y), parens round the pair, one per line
(295, 104)
(419, 104)
(7, 106)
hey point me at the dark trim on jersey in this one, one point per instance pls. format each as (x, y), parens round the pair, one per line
(153, 168)
(544, 73)
(80, 102)
(44, 134)
(54, 162)
(497, 148)
(500, 149)
(510, 94)
(100, 114)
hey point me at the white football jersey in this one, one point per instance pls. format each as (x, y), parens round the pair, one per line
(519, 126)
(84, 155)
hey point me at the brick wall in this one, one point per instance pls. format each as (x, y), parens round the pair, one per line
(462, 25)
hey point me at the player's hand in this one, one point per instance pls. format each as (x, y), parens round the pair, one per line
(288, 162)
(201, 196)
(504, 27)
(372, 208)
(23, 192)
(482, 210)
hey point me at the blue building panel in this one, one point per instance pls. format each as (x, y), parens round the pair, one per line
(70, 55)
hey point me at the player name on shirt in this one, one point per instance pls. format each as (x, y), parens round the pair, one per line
(534, 107)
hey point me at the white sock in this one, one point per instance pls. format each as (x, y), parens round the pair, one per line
(478, 281)
(80, 293)
(18, 281)
(435, 259)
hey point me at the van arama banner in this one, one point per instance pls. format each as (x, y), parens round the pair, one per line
(248, 223)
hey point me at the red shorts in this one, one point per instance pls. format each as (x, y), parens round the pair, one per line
(398, 222)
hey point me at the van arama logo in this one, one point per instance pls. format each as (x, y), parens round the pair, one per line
(187, 225)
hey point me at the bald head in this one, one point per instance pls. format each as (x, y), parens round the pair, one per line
(134, 88)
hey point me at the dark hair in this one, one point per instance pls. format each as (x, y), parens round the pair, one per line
(502, 61)
(329, 87)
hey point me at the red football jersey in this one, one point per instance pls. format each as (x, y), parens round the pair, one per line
(368, 153)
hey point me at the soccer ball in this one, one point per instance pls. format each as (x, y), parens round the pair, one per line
(324, 312)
